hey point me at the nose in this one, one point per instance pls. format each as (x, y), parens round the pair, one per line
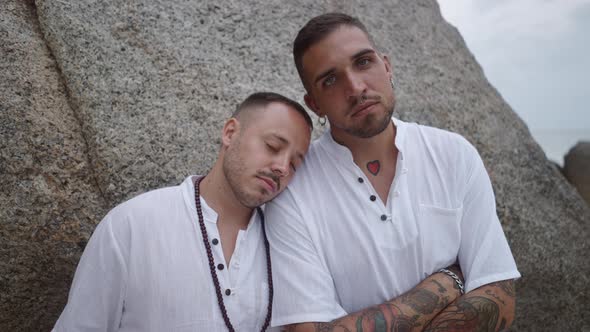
(281, 165)
(355, 86)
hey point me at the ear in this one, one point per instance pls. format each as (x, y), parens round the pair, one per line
(388, 66)
(230, 131)
(310, 102)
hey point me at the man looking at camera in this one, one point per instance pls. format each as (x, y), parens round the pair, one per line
(359, 238)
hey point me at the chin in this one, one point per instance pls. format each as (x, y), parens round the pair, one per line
(254, 201)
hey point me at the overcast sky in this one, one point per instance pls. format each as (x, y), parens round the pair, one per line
(536, 53)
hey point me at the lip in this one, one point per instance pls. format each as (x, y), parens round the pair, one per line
(269, 183)
(364, 109)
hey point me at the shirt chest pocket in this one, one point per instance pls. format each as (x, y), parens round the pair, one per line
(440, 234)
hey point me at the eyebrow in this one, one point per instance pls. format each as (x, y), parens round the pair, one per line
(354, 56)
(362, 52)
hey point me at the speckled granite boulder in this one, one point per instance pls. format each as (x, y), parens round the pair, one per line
(106, 99)
(49, 199)
(576, 168)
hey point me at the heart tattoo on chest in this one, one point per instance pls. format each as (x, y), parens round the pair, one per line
(374, 167)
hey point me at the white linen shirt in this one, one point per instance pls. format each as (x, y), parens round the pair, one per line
(145, 268)
(337, 248)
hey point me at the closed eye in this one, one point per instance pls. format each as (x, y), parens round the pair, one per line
(272, 148)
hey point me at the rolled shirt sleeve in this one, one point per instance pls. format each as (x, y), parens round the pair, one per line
(484, 254)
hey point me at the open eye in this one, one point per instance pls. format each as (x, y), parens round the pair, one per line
(329, 81)
(363, 62)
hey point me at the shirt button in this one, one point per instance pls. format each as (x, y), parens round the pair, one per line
(372, 198)
(228, 292)
(396, 193)
(383, 217)
(220, 266)
(404, 170)
(361, 180)
(215, 241)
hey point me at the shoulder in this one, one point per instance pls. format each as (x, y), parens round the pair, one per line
(146, 208)
(442, 145)
(437, 137)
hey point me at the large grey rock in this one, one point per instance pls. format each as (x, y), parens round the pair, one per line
(146, 86)
(49, 198)
(576, 168)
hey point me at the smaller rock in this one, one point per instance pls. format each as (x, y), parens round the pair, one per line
(576, 168)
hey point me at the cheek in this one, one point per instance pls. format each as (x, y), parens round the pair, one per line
(328, 96)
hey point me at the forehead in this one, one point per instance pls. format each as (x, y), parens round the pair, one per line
(336, 48)
(277, 117)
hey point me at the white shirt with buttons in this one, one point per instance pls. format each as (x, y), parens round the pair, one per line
(145, 268)
(337, 248)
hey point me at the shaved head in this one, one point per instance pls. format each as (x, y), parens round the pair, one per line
(259, 100)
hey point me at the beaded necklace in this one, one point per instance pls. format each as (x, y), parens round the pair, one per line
(212, 264)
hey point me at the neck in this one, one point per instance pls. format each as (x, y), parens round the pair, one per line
(219, 196)
(378, 147)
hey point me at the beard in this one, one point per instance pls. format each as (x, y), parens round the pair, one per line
(373, 124)
(233, 170)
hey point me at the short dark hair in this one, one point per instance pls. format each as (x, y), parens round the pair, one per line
(317, 29)
(262, 99)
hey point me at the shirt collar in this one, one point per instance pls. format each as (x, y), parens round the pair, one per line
(210, 216)
(188, 189)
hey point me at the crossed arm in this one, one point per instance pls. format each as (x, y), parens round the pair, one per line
(434, 305)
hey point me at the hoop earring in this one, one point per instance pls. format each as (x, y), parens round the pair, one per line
(322, 120)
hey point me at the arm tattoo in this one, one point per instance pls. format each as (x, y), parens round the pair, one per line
(476, 313)
(441, 289)
(374, 320)
(507, 286)
(408, 312)
(423, 301)
(329, 327)
(401, 322)
(492, 294)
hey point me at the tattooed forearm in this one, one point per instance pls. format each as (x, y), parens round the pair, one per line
(470, 314)
(407, 313)
(488, 308)
(492, 294)
(507, 286)
(319, 327)
(441, 289)
(425, 302)
(329, 327)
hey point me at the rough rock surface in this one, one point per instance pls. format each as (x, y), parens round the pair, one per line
(50, 200)
(576, 168)
(106, 99)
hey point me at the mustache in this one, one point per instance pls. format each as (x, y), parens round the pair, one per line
(273, 177)
(363, 98)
